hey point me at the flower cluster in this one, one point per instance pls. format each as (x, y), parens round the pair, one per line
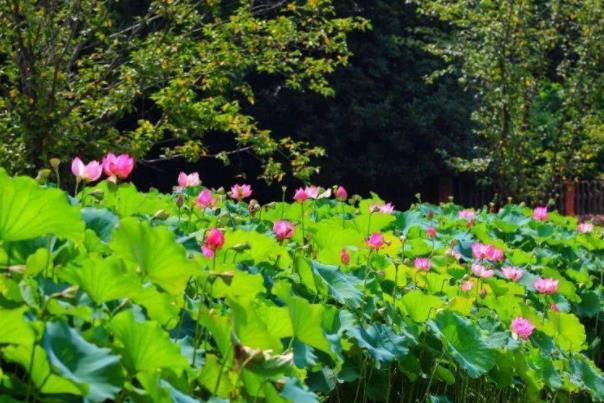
(113, 166)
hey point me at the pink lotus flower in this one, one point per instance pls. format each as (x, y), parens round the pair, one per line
(431, 232)
(481, 251)
(190, 180)
(120, 166)
(585, 228)
(467, 286)
(523, 328)
(494, 254)
(341, 193)
(481, 271)
(422, 263)
(512, 273)
(344, 256)
(283, 229)
(300, 196)
(387, 208)
(547, 286)
(240, 192)
(468, 215)
(205, 199)
(214, 240)
(87, 172)
(540, 214)
(376, 241)
(314, 192)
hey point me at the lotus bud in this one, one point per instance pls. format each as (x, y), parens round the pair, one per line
(160, 215)
(253, 206)
(43, 175)
(54, 163)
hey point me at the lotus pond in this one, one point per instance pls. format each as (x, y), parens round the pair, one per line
(203, 295)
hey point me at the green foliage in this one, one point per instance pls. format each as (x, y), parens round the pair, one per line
(536, 68)
(385, 120)
(86, 76)
(135, 311)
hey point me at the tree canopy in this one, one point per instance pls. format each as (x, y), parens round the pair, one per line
(84, 76)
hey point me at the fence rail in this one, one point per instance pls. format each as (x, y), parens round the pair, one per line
(580, 198)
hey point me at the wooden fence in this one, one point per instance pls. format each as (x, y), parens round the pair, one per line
(580, 198)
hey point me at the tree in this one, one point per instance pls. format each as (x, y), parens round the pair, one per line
(537, 70)
(384, 123)
(86, 76)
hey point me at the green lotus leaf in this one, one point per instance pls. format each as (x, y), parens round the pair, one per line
(155, 253)
(36, 363)
(419, 306)
(159, 390)
(566, 330)
(215, 378)
(95, 369)
(126, 201)
(463, 342)
(306, 319)
(586, 375)
(144, 346)
(13, 327)
(102, 279)
(380, 341)
(29, 211)
(262, 248)
(242, 285)
(101, 221)
(343, 287)
(251, 329)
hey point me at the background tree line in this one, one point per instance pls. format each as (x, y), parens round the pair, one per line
(397, 94)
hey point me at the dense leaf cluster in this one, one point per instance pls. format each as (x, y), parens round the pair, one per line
(107, 295)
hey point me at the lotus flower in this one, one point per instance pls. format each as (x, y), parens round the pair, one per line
(523, 328)
(120, 166)
(341, 193)
(468, 215)
(314, 192)
(481, 251)
(300, 196)
(205, 199)
(585, 228)
(512, 273)
(540, 214)
(214, 240)
(376, 241)
(344, 256)
(481, 271)
(422, 263)
(190, 180)
(240, 192)
(87, 172)
(467, 285)
(547, 286)
(283, 229)
(387, 208)
(431, 232)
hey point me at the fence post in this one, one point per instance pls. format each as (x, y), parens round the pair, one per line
(569, 198)
(445, 189)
